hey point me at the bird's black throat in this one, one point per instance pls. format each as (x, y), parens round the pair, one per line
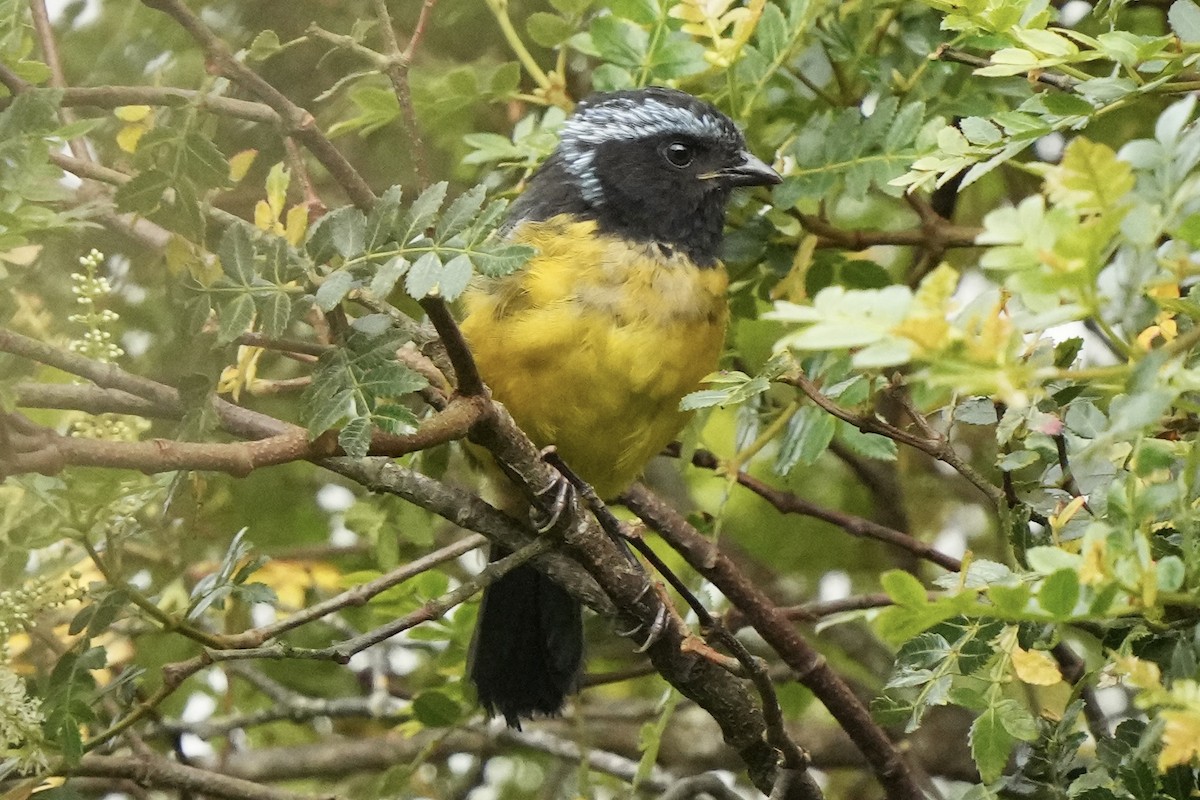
(633, 208)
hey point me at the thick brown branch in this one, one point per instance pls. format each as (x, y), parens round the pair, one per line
(766, 618)
(47, 452)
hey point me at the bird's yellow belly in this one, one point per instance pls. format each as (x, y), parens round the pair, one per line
(593, 345)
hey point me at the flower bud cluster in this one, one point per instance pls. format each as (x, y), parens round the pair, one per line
(90, 289)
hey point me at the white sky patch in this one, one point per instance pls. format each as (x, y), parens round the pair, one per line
(1072, 12)
(952, 542)
(217, 680)
(868, 104)
(341, 536)
(1050, 147)
(834, 585)
(136, 342)
(195, 747)
(198, 708)
(334, 498)
(262, 614)
(402, 661)
(90, 13)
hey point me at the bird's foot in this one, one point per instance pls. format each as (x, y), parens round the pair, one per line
(553, 499)
(655, 630)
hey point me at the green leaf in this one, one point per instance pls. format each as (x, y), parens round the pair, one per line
(333, 289)
(275, 312)
(396, 419)
(456, 275)
(422, 212)
(336, 233)
(620, 42)
(236, 252)
(67, 700)
(355, 437)
(867, 445)
(348, 232)
(735, 388)
(423, 276)
(991, 744)
(1017, 720)
(143, 193)
(382, 220)
(235, 318)
(265, 45)
(926, 650)
(808, 434)
(548, 30)
(1171, 573)
(436, 709)
(1010, 599)
(1060, 592)
(503, 260)
(385, 277)
(460, 213)
(771, 35)
(904, 589)
(1047, 560)
(1184, 16)
(328, 410)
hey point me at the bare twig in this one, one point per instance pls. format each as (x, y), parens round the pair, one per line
(398, 65)
(465, 372)
(357, 596)
(789, 503)
(150, 770)
(170, 96)
(49, 45)
(935, 235)
(938, 447)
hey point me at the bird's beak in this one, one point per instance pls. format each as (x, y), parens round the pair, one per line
(753, 171)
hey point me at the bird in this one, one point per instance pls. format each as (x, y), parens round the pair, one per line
(593, 344)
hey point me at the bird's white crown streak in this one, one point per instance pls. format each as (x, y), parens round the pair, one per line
(624, 119)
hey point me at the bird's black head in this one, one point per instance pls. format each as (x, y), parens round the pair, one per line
(650, 165)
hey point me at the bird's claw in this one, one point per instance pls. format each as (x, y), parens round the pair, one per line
(656, 627)
(552, 500)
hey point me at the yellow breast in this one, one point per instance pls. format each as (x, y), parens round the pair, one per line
(594, 343)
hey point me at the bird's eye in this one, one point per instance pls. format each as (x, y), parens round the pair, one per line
(679, 154)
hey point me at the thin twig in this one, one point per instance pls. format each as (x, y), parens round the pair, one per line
(466, 374)
(298, 121)
(49, 45)
(790, 503)
(947, 53)
(357, 596)
(399, 64)
(939, 447)
(940, 236)
(150, 770)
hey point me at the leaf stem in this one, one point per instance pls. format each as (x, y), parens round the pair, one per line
(499, 9)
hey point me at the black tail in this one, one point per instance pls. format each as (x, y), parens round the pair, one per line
(528, 646)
